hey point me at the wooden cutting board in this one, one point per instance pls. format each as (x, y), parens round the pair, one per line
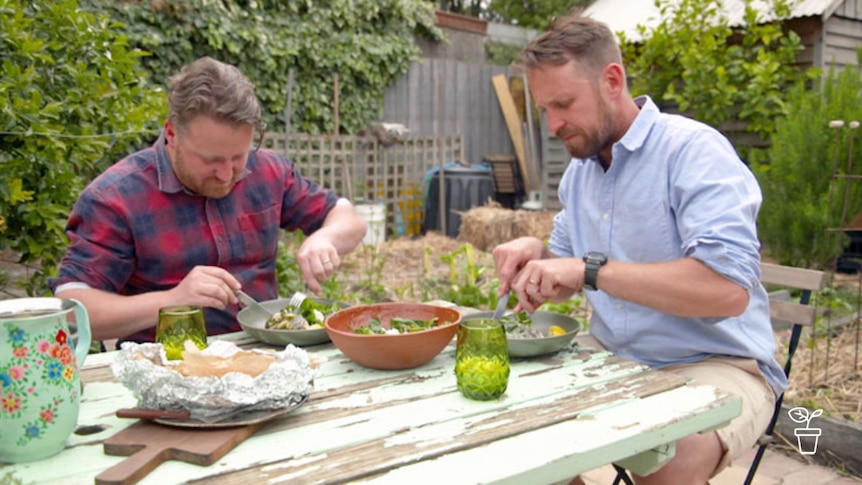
(149, 444)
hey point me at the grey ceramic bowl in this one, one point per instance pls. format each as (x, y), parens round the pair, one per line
(256, 327)
(542, 320)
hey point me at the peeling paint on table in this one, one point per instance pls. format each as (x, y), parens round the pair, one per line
(562, 415)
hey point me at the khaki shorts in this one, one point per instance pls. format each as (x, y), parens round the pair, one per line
(737, 376)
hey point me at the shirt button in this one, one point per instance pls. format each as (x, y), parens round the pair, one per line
(606, 216)
(619, 307)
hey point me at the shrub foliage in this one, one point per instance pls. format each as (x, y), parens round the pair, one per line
(802, 200)
(369, 43)
(695, 60)
(67, 79)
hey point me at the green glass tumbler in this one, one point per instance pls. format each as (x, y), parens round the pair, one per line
(482, 359)
(180, 323)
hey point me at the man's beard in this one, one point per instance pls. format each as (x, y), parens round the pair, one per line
(591, 146)
(593, 141)
(213, 189)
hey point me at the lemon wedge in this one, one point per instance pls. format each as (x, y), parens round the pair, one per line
(556, 330)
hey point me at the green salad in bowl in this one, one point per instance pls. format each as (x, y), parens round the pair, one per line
(310, 314)
(289, 326)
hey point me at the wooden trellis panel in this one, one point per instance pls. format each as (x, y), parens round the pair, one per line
(363, 170)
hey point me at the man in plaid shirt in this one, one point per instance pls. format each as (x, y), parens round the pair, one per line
(197, 216)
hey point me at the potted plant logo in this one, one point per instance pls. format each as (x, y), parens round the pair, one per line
(807, 437)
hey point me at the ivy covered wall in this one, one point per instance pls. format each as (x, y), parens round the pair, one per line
(369, 43)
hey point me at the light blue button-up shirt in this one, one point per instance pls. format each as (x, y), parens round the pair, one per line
(676, 188)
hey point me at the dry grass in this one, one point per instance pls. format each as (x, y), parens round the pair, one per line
(827, 373)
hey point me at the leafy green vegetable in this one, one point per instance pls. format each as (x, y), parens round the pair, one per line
(404, 325)
(520, 325)
(315, 313)
(371, 328)
(400, 325)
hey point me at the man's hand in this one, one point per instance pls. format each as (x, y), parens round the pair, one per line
(510, 257)
(528, 268)
(543, 280)
(317, 258)
(207, 286)
(320, 253)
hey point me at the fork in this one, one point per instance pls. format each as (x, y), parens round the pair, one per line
(296, 299)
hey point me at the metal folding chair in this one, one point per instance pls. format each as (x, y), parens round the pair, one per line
(799, 315)
(622, 476)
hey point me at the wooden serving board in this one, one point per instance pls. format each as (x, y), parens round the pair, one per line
(149, 444)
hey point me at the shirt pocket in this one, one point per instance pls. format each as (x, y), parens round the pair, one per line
(647, 231)
(258, 234)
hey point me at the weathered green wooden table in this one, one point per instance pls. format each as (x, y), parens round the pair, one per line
(562, 415)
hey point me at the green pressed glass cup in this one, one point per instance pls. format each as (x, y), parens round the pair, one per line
(180, 323)
(482, 359)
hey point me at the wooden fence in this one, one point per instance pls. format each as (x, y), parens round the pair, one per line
(439, 97)
(364, 171)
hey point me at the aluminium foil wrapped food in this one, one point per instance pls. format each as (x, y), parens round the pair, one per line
(157, 384)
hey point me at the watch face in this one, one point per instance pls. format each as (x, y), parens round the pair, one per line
(595, 257)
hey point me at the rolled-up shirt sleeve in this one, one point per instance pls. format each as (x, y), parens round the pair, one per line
(716, 203)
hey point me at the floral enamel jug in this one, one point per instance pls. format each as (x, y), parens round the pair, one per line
(43, 343)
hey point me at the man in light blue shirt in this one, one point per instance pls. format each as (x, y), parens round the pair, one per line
(659, 227)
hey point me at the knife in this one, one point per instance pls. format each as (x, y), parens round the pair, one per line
(501, 306)
(260, 311)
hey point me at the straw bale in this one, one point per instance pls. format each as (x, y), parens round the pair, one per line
(487, 226)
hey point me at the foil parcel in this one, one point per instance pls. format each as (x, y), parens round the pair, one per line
(144, 369)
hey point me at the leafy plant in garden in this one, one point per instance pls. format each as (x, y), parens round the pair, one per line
(795, 172)
(501, 53)
(72, 99)
(371, 286)
(695, 61)
(535, 14)
(468, 292)
(835, 304)
(369, 43)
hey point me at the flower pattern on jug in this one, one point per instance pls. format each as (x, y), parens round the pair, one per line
(41, 364)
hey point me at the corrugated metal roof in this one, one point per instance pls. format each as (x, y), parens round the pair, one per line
(626, 15)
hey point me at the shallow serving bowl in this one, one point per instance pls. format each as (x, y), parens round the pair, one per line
(542, 320)
(256, 327)
(392, 351)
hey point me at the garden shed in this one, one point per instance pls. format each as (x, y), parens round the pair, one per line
(831, 30)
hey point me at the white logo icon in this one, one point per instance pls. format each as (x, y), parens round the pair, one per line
(807, 437)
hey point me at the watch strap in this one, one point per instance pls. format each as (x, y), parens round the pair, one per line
(591, 276)
(593, 261)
